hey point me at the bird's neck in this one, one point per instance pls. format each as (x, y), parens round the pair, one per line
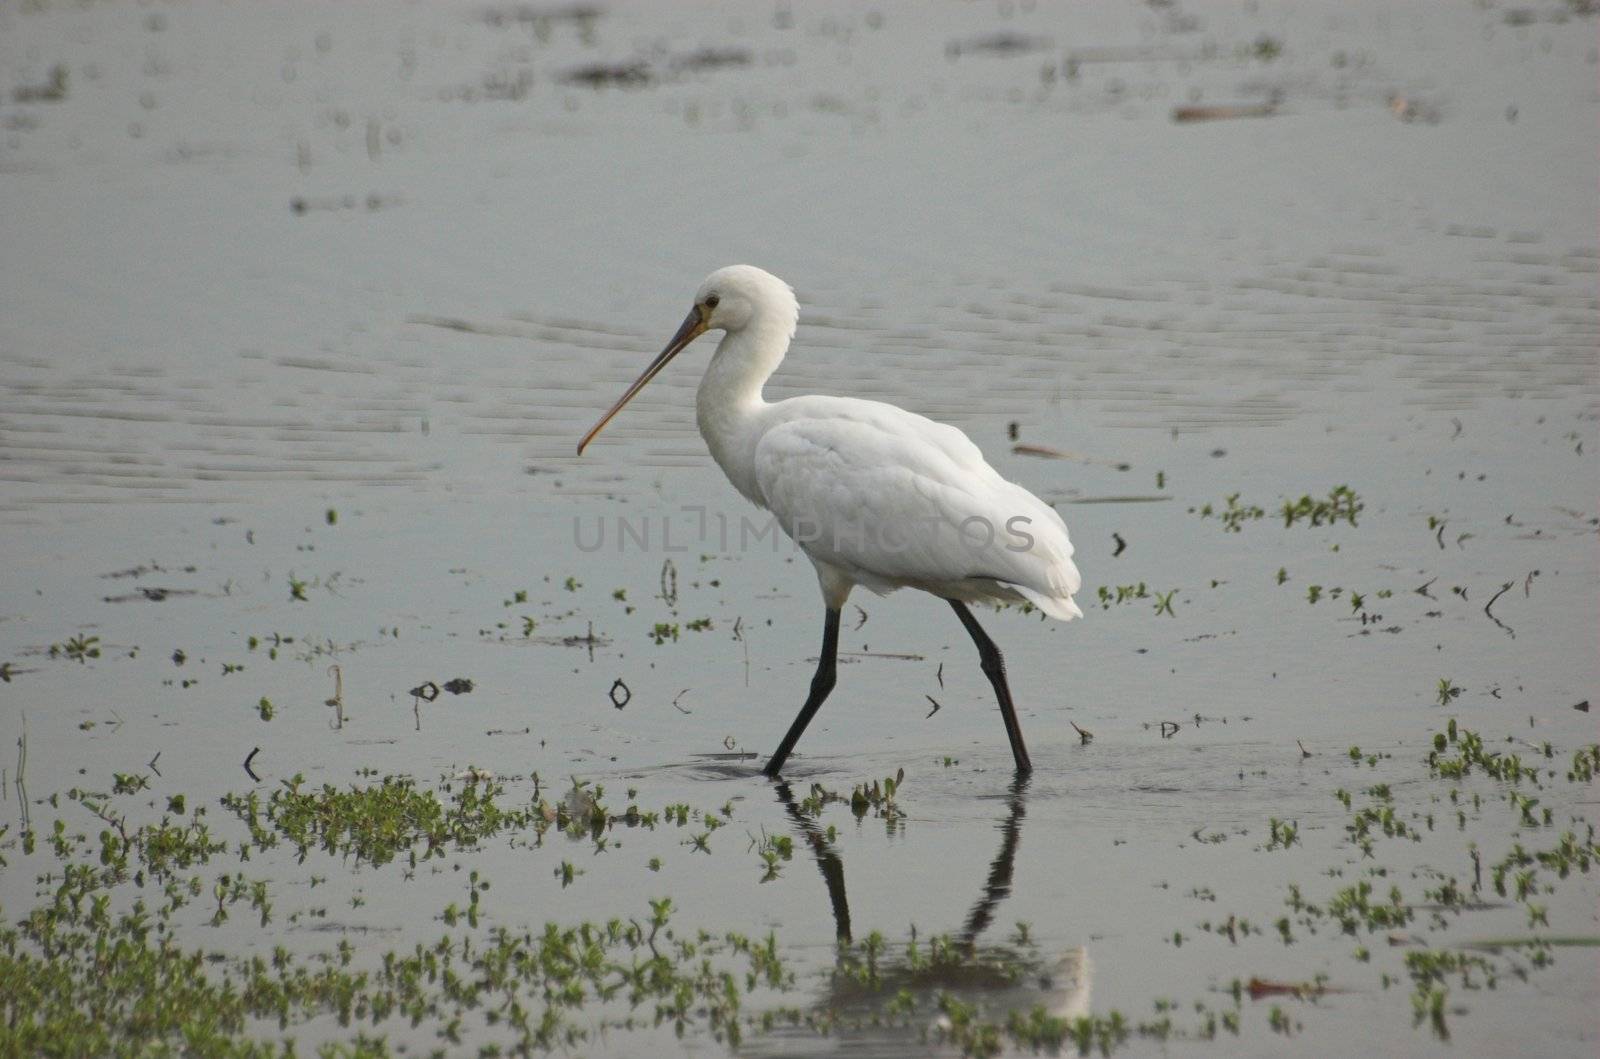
(728, 405)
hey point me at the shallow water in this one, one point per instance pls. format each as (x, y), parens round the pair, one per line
(264, 262)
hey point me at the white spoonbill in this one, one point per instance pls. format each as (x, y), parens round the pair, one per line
(874, 495)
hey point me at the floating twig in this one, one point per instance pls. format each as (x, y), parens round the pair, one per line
(936, 706)
(1260, 987)
(21, 781)
(1490, 613)
(626, 693)
(1304, 753)
(669, 583)
(1048, 453)
(337, 702)
(1223, 112)
(939, 674)
(1084, 735)
(152, 765)
(249, 758)
(678, 696)
(863, 614)
(1122, 545)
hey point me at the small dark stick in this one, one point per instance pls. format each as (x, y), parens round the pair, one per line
(249, 758)
(1304, 753)
(1122, 545)
(1084, 735)
(936, 706)
(337, 702)
(1490, 613)
(940, 674)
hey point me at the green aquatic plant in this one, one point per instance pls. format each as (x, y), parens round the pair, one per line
(81, 981)
(1281, 834)
(377, 823)
(78, 648)
(1114, 595)
(1340, 505)
(1164, 603)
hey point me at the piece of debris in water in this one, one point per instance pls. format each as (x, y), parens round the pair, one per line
(1222, 112)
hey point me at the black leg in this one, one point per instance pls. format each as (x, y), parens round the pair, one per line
(994, 667)
(821, 684)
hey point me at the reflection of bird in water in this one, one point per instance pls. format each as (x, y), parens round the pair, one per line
(828, 861)
(996, 888)
(874, 495)
(998, 885)
(1068, 987)
(1061, 985)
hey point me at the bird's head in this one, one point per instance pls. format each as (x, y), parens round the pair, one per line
(732, 299)
(738, 296)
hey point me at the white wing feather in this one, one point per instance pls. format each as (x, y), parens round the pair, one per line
(897, 500)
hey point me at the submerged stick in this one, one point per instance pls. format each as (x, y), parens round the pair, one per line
(1048, 453)
(337, 702)
(1223, 112)
(1490, 613)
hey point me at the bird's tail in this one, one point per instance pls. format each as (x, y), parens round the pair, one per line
(1061, 607)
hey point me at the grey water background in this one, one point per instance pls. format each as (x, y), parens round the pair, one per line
(266, 260)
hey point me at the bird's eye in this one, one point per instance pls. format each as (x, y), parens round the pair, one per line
(712, 300)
